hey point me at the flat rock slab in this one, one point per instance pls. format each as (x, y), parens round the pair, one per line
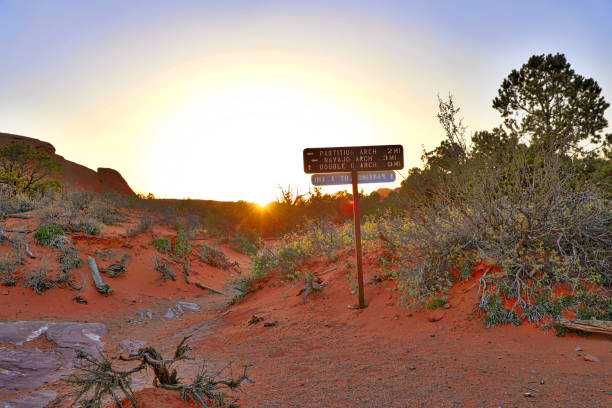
(25, 367)
(29, 368)
(34, 399)
(73, 335)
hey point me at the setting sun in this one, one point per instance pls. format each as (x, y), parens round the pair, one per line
(248, 135)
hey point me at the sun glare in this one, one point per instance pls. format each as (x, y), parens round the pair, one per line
(245, 136)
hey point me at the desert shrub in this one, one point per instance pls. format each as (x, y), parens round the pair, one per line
(144, 223)
(103, 209)
(7, 271)
(69, 259)
(263, 263)
(83, 224)
(243, 244)
(79, 199)
(216, 258)
(57, 211)
(38, 279)
(163, 244)
(190, 223)
(64, 279)
(545, 305)
(496, 313)
(162, 266)
(182, 244)
(50, 235)
(435, 302)
(525, 206)
(314, 238)
(11, 202)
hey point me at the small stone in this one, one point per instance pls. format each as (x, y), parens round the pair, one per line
(528, 395)
(412, 367)
(270, 324)
(578, 348)
(396, 317)
(169, 314)
(542, 382)
(534, 372)
(590, 357)
(499, 357)
(432, 335)
(447, 305)
(435, 316)
(5, 292)
(192, 307)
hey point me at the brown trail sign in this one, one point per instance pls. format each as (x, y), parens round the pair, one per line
(358, 158)
(354, 159)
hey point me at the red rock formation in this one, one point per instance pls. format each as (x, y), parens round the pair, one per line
(75, 176)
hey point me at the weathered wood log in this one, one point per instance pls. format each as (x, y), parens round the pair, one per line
(100, 285)
(199, 285)
(591, 326)
(27, 250)
(22, 216)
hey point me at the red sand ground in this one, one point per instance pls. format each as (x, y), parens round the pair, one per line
(321, 353)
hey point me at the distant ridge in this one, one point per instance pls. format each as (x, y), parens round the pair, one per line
(75, 176)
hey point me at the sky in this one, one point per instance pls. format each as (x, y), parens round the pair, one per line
(217, 100)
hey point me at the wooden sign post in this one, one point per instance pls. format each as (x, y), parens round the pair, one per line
(356, 159)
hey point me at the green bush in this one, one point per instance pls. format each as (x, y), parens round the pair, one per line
(49, 235)
(435, 302)
(163, 244)
(496, 314)
(263, 263)
(182, 245)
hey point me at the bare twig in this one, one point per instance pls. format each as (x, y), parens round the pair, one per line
(199, 285)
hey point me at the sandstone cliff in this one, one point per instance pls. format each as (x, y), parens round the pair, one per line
(74, 175)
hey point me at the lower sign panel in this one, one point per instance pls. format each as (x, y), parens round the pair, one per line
(334, 179)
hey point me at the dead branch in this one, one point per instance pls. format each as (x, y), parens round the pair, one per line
(21, 216)
(591, 326)
(27, 250)
(312, 283)
(329, 270)
(21, 231)
(199, 285)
